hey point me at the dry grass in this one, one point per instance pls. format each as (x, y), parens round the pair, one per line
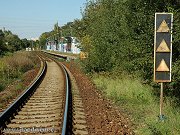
(12, 68)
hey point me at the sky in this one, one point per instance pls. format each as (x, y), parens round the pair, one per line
(30, 18)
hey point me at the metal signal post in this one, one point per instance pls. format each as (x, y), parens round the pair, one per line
(161, 116)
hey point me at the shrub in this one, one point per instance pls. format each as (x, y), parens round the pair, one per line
(1, 87)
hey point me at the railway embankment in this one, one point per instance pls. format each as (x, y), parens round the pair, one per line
(123, 104)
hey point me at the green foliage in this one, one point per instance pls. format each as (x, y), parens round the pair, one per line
(2, 45)
(50, 36)
(9, 42)
(43, 39)
(1, 87)
(19, 86)
(172, 89)
(25, 43)
(120, 35)
(140, 103)
(68, 29)
(104, 25)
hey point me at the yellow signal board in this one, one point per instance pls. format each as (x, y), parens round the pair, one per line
(163, 27)
(163, 47)
(83, 55)
(162, 66)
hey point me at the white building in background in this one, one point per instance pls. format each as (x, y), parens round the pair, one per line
(51, 45)
(65, 44)
(74, 46)
(28, 49)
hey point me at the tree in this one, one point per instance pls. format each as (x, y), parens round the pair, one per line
(2, 45)
(25, 43)
(9, 42)
(68, 29)
(13, 43)
(43, 39)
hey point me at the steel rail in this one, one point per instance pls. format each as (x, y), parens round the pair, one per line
(65, 119)
(19, 102)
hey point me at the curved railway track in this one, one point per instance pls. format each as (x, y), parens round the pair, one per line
(76, 119)
(41, 108)
(51, 105)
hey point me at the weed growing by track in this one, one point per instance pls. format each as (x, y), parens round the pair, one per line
(141, 104)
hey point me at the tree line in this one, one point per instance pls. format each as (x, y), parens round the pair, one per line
(118, 35)
(57, 32)
(10, 42)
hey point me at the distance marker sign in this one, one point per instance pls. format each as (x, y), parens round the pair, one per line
(163, 47)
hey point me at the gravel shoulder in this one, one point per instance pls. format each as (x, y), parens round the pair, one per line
(103, 117)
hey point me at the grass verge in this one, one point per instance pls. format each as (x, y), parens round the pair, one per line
(16, 73)
(138, 101)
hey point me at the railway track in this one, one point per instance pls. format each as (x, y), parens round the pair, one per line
(76, 115)
(47, 107)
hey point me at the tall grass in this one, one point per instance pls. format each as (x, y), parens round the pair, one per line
(138, 101)
(14, 65)
(12, 69)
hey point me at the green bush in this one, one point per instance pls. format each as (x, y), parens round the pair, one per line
(1, 87)
(119, 35)
(173, 88)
